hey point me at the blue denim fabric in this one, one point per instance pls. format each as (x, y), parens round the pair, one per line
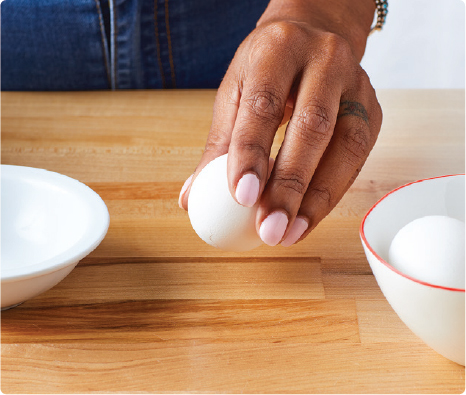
(121, 44)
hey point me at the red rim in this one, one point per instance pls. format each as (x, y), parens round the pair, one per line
(366, 243)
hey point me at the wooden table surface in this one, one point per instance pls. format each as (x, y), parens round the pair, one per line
(155, 309)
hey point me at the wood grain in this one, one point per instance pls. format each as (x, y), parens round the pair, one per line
(113, 280)
(181, 321)
(245, 367)
(156, 310)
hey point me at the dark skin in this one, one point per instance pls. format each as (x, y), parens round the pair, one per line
(300, 65)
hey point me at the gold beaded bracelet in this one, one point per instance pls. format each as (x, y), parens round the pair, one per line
(381, 9)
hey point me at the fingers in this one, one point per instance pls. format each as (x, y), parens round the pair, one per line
(354, 136)
(248, 110)
(334, 119)
(260, 113)
(327, 141)
(224, 115)
(307, 136)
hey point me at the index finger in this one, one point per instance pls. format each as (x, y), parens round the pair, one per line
(224, 115)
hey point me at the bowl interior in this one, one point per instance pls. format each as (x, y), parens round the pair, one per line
(45, 215)
(435, 196)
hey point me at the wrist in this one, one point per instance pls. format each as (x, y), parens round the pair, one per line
(350, 19)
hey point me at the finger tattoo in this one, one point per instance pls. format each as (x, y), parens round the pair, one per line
(353, 108)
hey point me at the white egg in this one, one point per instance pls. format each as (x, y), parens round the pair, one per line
(215, 216)
(431, 249)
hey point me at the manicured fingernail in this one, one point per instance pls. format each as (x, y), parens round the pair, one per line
(297, 229)
(184, 188)
(247, 190)
(273, 228)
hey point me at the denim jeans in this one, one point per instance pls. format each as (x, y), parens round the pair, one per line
(121, 44)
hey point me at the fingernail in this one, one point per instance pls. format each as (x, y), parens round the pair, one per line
(184, 188)
(299, 226)
(247, 190)
(273, 228)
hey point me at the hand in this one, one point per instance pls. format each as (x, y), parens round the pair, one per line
(301, 67)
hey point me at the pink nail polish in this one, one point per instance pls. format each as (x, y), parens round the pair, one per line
(247, 190)
(273, 228)
(184, 188)
(299, 226)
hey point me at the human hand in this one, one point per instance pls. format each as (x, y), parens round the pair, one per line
(301, 67)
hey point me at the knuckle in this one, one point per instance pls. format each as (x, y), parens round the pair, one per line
(336, 49)
(284, 33)
(311, 125)
(277, 35)
(292, 181)
(216, 142)
(265, 102)
(362, 85)
(256, 147)
(356, 145)
(278, 39)
(322, 194)
(361, 79)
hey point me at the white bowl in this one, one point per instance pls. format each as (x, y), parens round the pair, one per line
(432, 312)
(49, 223)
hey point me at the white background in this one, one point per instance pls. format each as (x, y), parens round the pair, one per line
(422, 45)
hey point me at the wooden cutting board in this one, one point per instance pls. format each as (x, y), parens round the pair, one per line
(155, 309)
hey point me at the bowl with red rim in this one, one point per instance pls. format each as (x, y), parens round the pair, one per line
(434, 313)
